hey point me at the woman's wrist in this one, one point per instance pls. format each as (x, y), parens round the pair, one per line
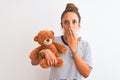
(74, 52)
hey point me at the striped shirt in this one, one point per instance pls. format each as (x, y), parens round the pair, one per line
(69, 71)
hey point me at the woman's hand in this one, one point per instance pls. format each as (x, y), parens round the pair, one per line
(71, 39)
(49, 56)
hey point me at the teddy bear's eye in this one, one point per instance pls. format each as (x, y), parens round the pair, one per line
(48, 40)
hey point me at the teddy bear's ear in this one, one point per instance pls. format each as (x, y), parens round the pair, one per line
(52, 32)
(36, 38)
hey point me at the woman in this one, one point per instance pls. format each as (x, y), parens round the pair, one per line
(77, 60)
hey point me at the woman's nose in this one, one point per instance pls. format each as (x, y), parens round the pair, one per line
(71, 25)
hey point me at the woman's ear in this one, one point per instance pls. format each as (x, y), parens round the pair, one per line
(79, 25)
(61, 25)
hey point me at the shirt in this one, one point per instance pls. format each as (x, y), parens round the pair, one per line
(69, 71)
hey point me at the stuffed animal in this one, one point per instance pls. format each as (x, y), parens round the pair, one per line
(46, 40)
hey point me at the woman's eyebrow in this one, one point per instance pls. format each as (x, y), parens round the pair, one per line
(66, 20)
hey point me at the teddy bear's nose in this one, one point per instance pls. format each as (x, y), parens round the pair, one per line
(48, 40)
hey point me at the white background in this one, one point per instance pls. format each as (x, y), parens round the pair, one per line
(20, 21)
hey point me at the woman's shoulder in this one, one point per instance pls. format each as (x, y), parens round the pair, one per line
(57, 38)
(84, 43)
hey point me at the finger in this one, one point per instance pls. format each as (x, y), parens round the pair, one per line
(69, 31)
(68, 36)
(48, 62)
(72, 34)
(42, 51)
(55, 61)
(79, 38)
(51, 63)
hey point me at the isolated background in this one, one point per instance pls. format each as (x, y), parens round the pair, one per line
(20, 21)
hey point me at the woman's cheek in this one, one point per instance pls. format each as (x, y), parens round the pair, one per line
(65, 29)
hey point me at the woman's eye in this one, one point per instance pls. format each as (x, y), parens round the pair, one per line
(66, 22)
(74, 21)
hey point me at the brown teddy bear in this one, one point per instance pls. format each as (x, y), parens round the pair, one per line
(46, 40)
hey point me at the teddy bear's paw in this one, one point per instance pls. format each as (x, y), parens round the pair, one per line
(35, 62)
(64, 50)
(44, 66)
(60, 62)
(43, 63)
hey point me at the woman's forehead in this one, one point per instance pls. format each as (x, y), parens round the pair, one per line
(70, 16)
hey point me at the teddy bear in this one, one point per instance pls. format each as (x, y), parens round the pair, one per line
(45, 38)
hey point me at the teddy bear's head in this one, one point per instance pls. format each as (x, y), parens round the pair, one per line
(45, 37)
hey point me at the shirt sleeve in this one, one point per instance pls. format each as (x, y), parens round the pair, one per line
(87, 54)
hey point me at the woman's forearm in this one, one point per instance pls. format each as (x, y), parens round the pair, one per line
(83, 68)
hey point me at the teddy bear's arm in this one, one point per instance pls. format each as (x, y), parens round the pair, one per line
(60, 47)
(34, 53)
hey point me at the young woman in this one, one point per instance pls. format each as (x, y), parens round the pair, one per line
(77, 60)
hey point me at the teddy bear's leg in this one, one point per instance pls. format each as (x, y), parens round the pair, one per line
(43, 63)
(35, 62)
(59, 63)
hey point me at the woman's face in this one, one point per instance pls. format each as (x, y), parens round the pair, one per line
(70, 21)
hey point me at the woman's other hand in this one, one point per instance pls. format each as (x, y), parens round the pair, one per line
(49, 56)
